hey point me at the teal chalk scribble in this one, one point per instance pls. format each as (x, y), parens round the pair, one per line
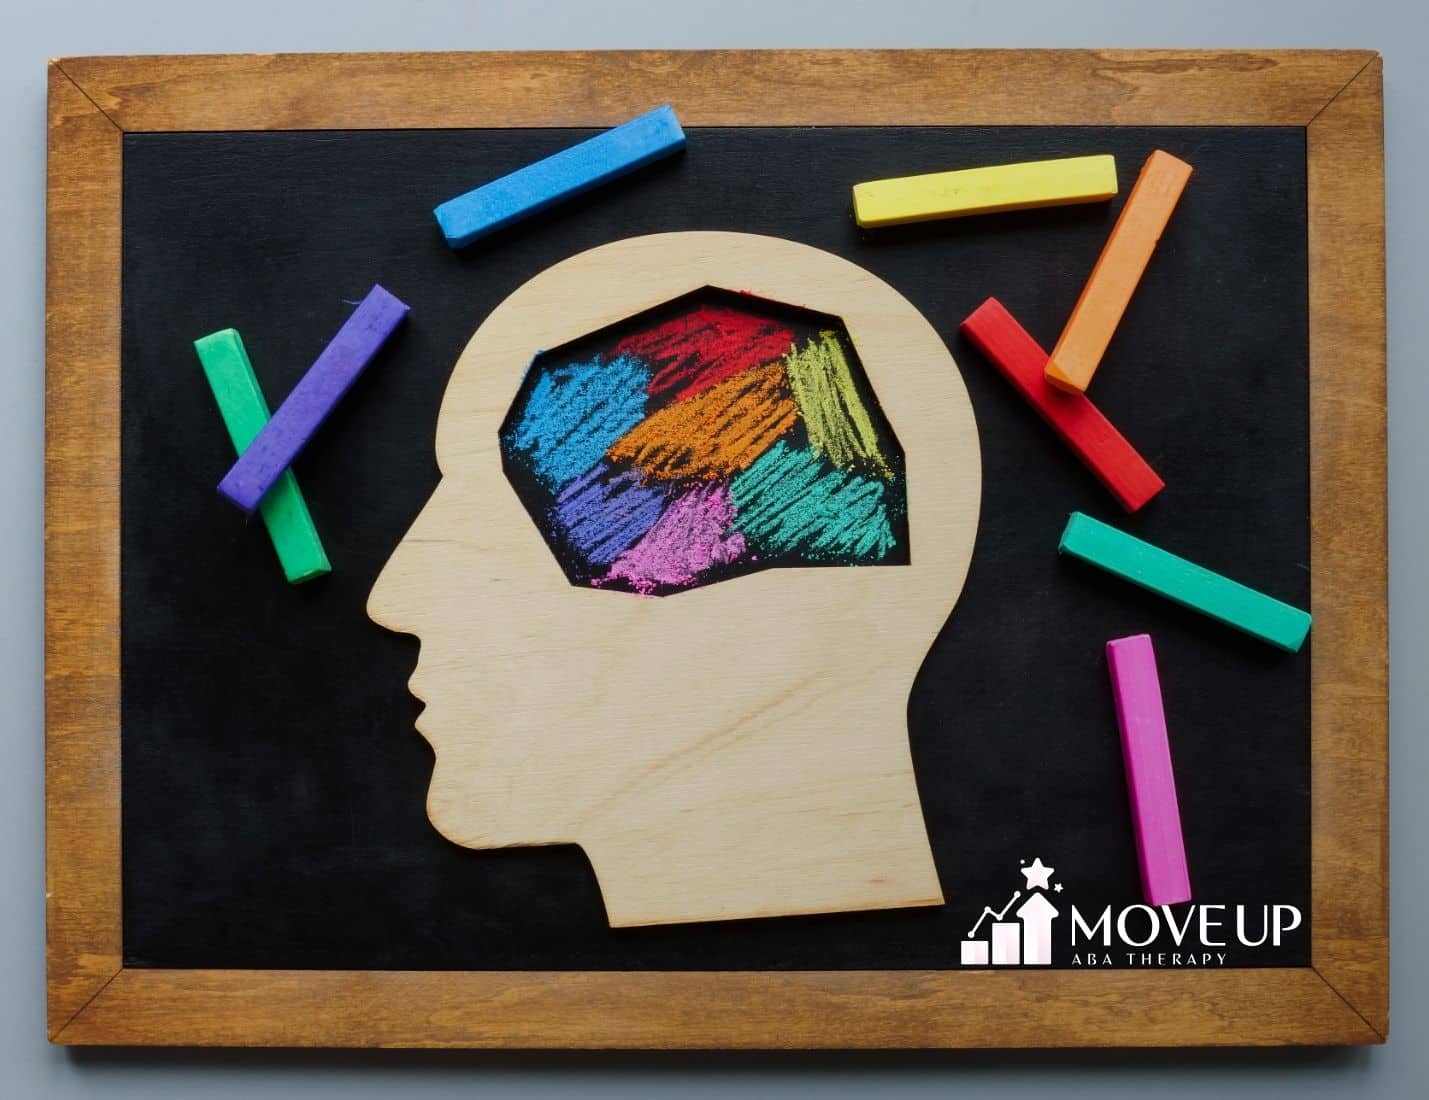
(792, 501)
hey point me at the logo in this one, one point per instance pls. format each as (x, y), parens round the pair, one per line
(1025, 940)
(1024, 932)
(1199, 938)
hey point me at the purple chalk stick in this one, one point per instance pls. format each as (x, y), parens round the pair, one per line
(307, 406)
(1149, 778)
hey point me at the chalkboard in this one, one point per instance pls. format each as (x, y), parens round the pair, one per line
(273, 809)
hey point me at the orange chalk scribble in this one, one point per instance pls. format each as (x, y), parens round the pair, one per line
(714, 434)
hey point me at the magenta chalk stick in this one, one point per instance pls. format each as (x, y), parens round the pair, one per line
(1149, 778)
(317, 392)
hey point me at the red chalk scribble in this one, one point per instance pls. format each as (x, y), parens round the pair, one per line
(702, 348)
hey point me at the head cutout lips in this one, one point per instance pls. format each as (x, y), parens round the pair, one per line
(777, 448)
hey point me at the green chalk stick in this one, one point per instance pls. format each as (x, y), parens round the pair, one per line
(240, 402)
(1184, 582)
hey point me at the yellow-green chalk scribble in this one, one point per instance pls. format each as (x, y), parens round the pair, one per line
(839, 426)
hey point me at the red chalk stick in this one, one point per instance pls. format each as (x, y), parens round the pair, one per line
(1149, 779)
(307, 406)
(1102, 449)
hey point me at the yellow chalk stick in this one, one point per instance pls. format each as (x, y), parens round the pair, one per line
(984, 190)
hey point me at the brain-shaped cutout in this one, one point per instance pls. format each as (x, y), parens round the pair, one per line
(713, 436)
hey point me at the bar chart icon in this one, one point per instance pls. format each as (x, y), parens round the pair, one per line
(1020, 937)
(1006, 943)
(1005, 948)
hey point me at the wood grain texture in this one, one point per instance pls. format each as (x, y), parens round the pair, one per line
(1349, 679)
(717, 88)
(712, 1010)
(81, 551)
(1335, 93)
(736, 750)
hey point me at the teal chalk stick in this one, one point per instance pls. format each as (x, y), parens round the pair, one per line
(562, 175)
(1184, 582)
(244, 411)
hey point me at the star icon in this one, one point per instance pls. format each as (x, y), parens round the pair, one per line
(1037, 874)
(1057, 887)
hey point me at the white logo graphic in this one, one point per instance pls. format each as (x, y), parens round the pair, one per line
(1026, 941)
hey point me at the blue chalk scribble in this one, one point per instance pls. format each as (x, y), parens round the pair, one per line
(574, 414)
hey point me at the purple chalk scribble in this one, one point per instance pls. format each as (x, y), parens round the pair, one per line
(603, 512)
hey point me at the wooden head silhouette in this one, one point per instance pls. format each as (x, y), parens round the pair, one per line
(723, 730)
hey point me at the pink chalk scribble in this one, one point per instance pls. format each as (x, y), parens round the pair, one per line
(692, 536)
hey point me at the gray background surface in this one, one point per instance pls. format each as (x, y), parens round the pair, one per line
(40, 29)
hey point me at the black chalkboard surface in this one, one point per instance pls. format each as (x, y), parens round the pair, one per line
(273, 812)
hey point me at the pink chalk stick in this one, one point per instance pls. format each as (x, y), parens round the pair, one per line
(1149, 778)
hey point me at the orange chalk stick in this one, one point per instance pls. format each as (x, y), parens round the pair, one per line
(1098, 311)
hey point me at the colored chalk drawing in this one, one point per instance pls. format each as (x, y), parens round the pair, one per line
(711, 437)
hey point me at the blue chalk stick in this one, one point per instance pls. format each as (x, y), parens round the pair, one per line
(306, 407)
(560, 176)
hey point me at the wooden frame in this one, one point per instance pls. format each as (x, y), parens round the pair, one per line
(1341, 998)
